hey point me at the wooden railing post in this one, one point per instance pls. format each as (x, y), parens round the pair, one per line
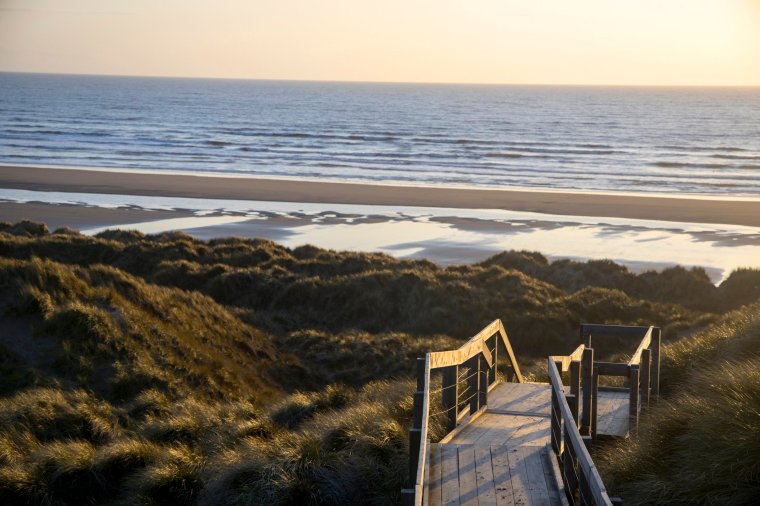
(556, 424)
(449, 395)
(575, 389)
(584, 488)
(572, 401)
(494, 373)
(569, 468)
(645, 378)
(415, 433)
(473, 383)
(655, 374)
(633, 401)
(587, 371)
(595, 397)
(482, 382)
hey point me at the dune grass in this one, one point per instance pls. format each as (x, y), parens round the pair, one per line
(699, 444)
(162, 369)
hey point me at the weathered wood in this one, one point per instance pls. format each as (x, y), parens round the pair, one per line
(434, 491)
(572, 401)
(531, 456)
(493, 373)
(624, 331)
(484, 476)
(482, 383)
(502, 476)
(450, 394)
(520, 486)
(587, 371)
(418, 437)
(510, 354)
(595, 396)
(569, 466)
(573, 439)
(441, 359)
(473, 383)
(575, 388)
(655, 374)
(449, 475)
(647, 339)
(645, 377)
(468, 483)
(565, 360)
(612, 369)
(633, 405)
(556, 424)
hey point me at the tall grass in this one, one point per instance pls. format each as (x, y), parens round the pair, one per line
(162, 369)
(700, 444)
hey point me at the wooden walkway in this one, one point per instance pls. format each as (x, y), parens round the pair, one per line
(520, 443)
(503, 457)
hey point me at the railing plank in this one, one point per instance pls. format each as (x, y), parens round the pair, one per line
(624, 331)
(510, 353)
(575, 442)
(647, 339)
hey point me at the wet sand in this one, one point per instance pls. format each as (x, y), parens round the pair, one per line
(693, 210)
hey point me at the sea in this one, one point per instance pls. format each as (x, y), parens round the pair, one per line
(661, 140)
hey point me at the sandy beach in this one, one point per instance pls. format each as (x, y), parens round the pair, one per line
(693, 210)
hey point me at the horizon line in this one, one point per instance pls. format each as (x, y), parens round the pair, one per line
(359, 81)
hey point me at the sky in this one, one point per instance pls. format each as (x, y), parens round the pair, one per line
(612, 42)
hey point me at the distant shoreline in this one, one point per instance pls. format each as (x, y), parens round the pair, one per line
(681, 209)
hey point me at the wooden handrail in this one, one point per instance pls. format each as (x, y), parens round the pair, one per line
(565, 360)
(645, 342)
(416, 494)
(579, 454)
(439, 359)
(474, 354)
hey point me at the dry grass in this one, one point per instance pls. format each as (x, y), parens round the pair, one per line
(165, 370)
(700, 444)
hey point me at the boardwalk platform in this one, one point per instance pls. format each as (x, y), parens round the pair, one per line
(520, 443)
(502, 457)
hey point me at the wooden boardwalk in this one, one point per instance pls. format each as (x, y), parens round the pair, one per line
(503, 457)
(520, 443)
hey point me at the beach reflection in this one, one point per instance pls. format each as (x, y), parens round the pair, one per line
(443, 235)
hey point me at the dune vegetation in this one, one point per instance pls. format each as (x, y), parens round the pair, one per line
(699, 444)
(140, 369)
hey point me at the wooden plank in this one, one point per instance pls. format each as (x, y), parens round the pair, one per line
(646, 356)
(598, 490)
(588, 401)
(484, 476)
(502, 476)
(449, 475)
(439, 359)
(535, 431)
(625, 331)
(636, 358)
(655, 377)
(633, 403)
(565, 360)
(434, 491)
(553, 477)
(520, 485)
(612, 368)
(468, 483)
(449, 395)
(510, 353)
(539, 494)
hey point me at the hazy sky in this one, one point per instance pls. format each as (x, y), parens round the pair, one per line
(692, 42)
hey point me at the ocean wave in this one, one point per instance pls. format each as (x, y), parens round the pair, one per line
(683, 165)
